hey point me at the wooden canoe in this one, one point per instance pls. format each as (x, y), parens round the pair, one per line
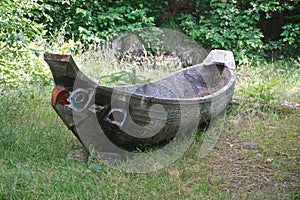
(136, 116)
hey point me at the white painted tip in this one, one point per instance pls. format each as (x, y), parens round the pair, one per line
(220, 57)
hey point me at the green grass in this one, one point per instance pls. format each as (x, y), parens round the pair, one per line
(34, 145)
(106, 69)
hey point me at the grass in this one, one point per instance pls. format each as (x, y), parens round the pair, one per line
(257, 156)
(106, 69)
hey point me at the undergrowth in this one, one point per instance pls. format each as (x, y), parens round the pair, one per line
(264, 88)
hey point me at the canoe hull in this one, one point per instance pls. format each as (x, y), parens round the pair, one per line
(131, 117)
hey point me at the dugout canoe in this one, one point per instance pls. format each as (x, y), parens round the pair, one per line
(137, 116)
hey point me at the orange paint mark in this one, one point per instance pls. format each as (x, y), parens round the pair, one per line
(59, 96)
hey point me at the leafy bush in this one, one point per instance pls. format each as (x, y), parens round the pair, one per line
(17, 22)
(20, 42)
(225, 26)
(290, 41)
(94, 21)
(233, 25)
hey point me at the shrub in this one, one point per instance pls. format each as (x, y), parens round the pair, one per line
(17, 24)
(20, 42)
(290, 40)
(233, 25)
(94, 21)
(226, 26)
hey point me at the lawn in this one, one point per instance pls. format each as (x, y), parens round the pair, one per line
(257, 155)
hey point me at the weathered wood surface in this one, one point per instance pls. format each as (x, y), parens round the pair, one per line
(142, 115)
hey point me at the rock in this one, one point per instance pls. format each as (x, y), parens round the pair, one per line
(78, 155)
(253, 146)
(129, 45)
(259, 155)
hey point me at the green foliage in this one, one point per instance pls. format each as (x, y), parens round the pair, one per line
(94, 21)
(153, 37)
(290, 41)
(17, 23)
(225, 26)
(262, 95)
(270, 6)
(232, 25)
(262, 88)
(20, 44)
